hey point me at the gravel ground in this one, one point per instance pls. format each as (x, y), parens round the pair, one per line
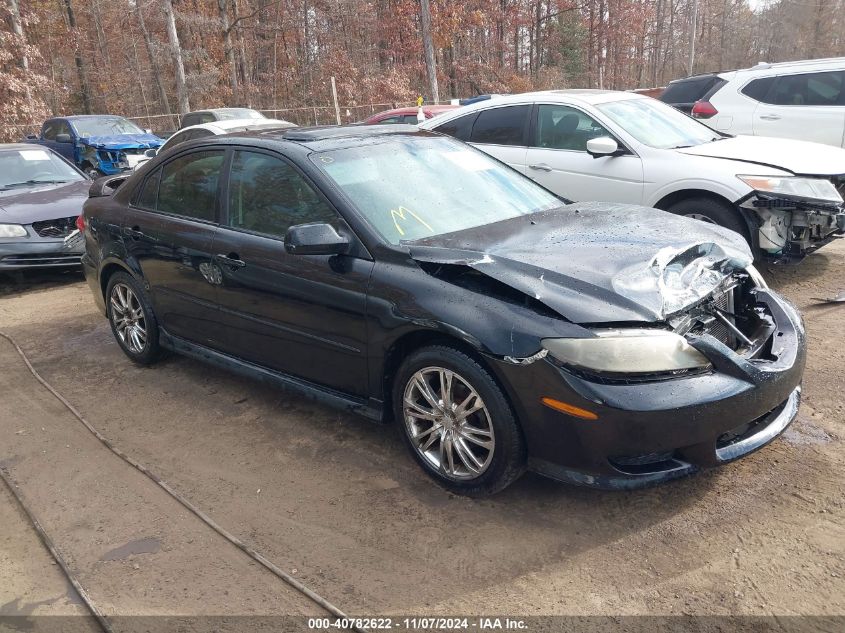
(334, 500)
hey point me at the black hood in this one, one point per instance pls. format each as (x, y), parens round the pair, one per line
(24, 205)
(598, 262)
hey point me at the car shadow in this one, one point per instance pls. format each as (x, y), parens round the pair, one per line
(13, 283)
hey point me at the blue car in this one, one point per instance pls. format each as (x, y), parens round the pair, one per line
(100, 145)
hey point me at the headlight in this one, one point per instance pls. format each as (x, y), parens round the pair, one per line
(629, 351)
(812, 188)
(12, 230)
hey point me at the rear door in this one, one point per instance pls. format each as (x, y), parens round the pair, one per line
(503, 132)
(169, 230)
(806, 106)
(300, 314)
(557, 158)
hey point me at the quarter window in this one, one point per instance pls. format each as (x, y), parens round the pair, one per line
(563, 127)
(759, 88)
(189, 185)
(501, 126)
(267, 195)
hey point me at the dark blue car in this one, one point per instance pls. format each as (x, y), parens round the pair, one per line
(100, 145)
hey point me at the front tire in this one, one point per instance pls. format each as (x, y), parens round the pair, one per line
(713, 211)
(457, 423)
(132, 319)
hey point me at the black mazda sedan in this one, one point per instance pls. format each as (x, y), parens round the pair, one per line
(408, 277)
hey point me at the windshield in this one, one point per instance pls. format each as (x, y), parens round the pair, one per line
(33, 166)
(656, 124)
(238, 113)
(410, 187)
(105, 126)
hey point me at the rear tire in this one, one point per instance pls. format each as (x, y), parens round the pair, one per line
(132, 319)
(468, 441)
(713, 211)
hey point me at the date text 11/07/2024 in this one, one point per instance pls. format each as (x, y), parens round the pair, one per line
(419, 624)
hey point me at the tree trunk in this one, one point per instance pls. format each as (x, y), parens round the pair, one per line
(154, 67)
(428, 46)
(176, 51)
(228, 51)
(84, 90)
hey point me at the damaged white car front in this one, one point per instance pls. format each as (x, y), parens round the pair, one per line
(796, 214)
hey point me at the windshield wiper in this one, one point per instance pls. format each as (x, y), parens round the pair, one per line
(680, 146)
(34, 182)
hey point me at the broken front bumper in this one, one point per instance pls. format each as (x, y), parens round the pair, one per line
(34, 251)
(648, 432)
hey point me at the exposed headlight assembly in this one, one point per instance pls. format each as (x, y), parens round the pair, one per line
(628, 351)
(794, 187)
(12, 230)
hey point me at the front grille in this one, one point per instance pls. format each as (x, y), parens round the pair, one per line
(46, 259)
(60, 227)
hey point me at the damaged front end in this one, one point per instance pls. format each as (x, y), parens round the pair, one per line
(791, 226)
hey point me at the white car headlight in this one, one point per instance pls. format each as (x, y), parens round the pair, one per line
(12, 230)
(628, 351)
(811, 188)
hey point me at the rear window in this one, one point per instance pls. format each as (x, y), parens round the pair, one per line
(689, 90)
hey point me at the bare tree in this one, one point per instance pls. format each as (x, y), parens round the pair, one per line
(176, 51)
(84, 90)
(428, 46)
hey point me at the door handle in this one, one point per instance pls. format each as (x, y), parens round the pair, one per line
(135, 232)
(232, 260)
(541, 167)
(770, 117)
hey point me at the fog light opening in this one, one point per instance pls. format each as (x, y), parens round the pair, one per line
(569, 409)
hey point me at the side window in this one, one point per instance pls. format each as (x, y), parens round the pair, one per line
(501, 126)
(189, 185)
(147, 194)
(460, 128)
(179, 137)
(811, 89)
(267, 195)
(390, 119)
(563, 127)
(206, 117)
(758, 88)
(51, 128)
(410, 118)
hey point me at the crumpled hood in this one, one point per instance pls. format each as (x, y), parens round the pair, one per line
(43, 202)
(123, 141)
(598, 262)
(799, 157)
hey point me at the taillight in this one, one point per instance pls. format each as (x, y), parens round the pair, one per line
(703, 110)
(80, 223)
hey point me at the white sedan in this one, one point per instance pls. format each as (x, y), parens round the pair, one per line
(784, 196)
(215, 128)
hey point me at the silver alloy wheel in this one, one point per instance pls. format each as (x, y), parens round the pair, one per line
(127, 315)
(448, 423)
(703, 218)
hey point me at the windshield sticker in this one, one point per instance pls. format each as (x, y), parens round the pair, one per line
(469, 160)
(403, 214)
(34, 154)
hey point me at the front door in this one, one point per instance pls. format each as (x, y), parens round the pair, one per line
(300, 314)
(501, 132)
(169, 230)
(558, 159)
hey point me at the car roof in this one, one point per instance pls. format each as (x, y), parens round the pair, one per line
(12, 147)
(75, 117)
(219, 110)
(413, 110)
(233, 124)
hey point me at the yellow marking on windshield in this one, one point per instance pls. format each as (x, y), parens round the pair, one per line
(402, 213)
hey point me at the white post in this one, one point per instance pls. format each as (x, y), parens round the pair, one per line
(336, 106)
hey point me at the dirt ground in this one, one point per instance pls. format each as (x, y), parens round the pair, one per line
(334, 499)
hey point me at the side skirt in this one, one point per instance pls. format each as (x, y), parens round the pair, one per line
(371, 409)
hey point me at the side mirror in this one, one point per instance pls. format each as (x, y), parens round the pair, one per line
(32, 137)
(63, 138)
(316, 238)
(147, 130)
(602, 146)
(151, 153)
(106, 185)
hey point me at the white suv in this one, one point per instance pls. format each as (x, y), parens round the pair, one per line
(783, 196)
(801, 100)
